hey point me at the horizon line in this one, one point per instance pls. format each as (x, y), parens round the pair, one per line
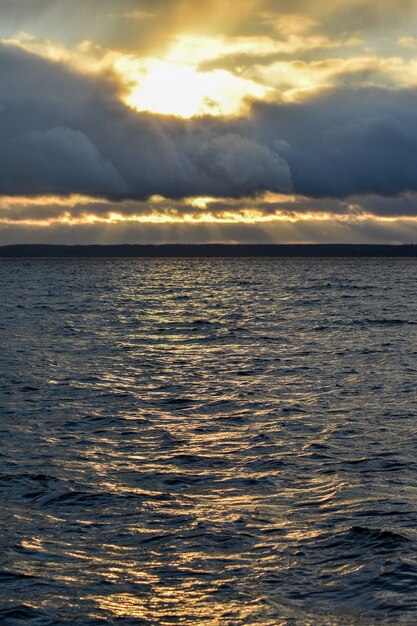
(48, 250)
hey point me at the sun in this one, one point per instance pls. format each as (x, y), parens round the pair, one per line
(175, 85)
(172, 89)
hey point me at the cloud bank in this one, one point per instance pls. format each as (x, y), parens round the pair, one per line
(64, 133)
(330, 231)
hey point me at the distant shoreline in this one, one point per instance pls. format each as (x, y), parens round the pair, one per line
(208, 250)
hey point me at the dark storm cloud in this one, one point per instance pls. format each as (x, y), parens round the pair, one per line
(345, 142)
(404, 205)
(62, 133)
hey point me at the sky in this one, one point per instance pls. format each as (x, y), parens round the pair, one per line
(166, 121)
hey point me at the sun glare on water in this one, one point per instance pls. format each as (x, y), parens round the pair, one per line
(175, 86)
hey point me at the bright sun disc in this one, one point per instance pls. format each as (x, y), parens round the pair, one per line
(172, 89)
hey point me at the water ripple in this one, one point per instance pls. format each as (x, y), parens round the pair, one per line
(214, 441)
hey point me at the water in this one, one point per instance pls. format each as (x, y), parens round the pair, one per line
(210, 441)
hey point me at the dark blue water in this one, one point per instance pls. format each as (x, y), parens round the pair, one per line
(221, 442)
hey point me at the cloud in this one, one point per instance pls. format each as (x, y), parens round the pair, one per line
(149, 25)
(41, 155)
(408, 42)
(63, 133)
(345, 141)
(348, 15)
(329, 231)
(242, 163)
(51, 211)
(156, 21)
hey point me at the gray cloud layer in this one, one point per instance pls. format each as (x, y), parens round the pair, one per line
(62, 133)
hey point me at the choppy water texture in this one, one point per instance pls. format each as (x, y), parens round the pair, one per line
(211, 441)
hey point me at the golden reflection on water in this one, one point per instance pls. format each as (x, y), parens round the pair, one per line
(181, 605)
(200, 465)
(207, 548)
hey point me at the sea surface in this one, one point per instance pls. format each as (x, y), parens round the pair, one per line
(208, 441)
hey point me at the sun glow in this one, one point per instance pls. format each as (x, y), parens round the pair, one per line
(175, 85)
(77, 210)
(177, 90)
(183, 91)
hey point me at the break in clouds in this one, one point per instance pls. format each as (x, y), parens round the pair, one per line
(64, 133)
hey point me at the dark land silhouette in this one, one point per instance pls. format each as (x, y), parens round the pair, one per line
(210, 250)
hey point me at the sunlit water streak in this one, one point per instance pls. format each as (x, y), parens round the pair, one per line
(208, 441)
